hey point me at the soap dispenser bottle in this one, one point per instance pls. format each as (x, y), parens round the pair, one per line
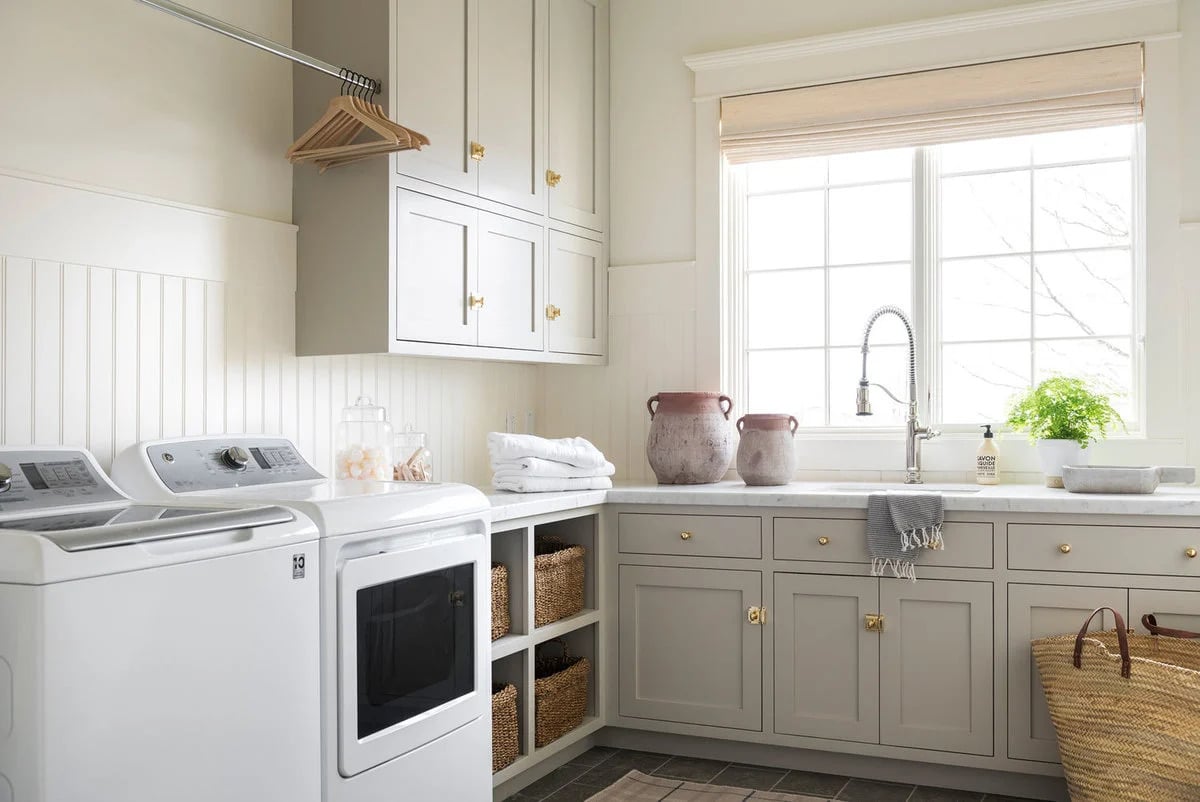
(986, 459)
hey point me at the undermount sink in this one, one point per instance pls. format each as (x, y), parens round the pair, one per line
(879, 487)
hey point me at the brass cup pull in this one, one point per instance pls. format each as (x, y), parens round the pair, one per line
(822, 541)
(685, 535)
(475, 301)
(553, 312)
(1190, 554)
(552, 178)
(477, 151)
(873, 622)
(1065, 548)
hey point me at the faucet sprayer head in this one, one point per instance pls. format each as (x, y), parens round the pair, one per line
(864, 398)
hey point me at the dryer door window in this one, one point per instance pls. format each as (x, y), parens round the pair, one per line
(415, 646)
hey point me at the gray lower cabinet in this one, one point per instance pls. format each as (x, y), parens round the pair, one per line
(687, 651)
(1175, 609)
(1035, 611)
(936, 656)
(924, 680)
(826, 662)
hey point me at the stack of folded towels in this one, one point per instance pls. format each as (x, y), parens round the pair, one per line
(523, 463)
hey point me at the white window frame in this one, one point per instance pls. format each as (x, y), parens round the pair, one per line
(925, 286)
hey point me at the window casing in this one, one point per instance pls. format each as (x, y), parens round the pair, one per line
(1016, 258)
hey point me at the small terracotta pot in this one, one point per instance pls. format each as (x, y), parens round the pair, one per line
(766, 454)
(690, 440)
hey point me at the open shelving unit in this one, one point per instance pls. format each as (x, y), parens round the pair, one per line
(514, 655)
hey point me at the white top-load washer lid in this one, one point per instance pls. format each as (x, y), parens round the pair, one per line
(62, 518)
(270, 470)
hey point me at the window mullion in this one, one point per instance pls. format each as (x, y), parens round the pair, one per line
(926, 281)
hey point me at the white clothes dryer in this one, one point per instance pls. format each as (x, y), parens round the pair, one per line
(405, 610)
(149, 651)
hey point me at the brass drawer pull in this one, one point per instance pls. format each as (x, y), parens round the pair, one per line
(822, 541)
(685, 535)
(1065, 548)
(1191, 554)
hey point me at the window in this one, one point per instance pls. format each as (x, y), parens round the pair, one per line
(1017, 258)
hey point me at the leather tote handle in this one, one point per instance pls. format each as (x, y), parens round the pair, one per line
(650, 405)
(1122, 640)
(1151, 625)
(794, 424)
(725, 410)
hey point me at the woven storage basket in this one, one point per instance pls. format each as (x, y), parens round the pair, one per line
(506, 734)
(560, 691)
(557, 580)
(1126, 708)
(501, 624)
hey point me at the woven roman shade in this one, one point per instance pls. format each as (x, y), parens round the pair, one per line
(1061, 91)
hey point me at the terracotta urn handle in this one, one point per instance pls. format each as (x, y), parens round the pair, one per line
(795, 424)
(740, 424)
(650, 405)
(725, 410)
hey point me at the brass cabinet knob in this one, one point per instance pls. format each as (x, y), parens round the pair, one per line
(475, 301)
(1191, 554)
(757, 615)
(873, 622)
(822, 541)
(477, 151)
(553, 312)
(552, 178)
(685, 535)
(1065, 548)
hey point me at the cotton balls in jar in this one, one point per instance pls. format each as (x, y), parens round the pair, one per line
(359, 461)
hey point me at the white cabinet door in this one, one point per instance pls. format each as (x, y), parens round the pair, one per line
(511, 276)
(687, 651)
(935, 665)
(436, 264)
(1035, 611)
(576, 291)
(826, 662)
(512, 95)
(435, 88)
(578, 108)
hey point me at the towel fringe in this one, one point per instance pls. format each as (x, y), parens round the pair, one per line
(901, 569)
(927, 537)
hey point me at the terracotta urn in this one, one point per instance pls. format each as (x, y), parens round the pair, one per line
(766, 454)
(690, 441)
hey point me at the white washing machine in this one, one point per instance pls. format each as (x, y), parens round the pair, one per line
(152, 652)
(405, 611)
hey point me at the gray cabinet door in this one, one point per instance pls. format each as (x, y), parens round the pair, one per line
(1175, 609)
(1035, 611)
(935, 666)
(436, 270)
(511, 283)
(576, 287)
(687, 651)
(826, 662)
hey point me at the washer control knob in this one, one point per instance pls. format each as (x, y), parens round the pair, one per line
(236, 457)
(5, 478)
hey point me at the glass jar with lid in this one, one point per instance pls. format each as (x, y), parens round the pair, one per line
(414, 463)
(364, 442)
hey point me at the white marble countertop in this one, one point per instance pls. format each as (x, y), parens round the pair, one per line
(1180, 501)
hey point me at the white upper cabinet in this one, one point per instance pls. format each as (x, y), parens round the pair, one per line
(578, 112)
(576, 308)
(435, 86)
(510, 285)
(512, 102)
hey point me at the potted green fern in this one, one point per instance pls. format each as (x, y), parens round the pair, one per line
(1063, 416)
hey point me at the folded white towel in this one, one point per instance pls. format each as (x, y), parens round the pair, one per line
(575, 451)
(535, 466)
(545, 484)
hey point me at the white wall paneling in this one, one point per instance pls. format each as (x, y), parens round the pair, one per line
(171, 335)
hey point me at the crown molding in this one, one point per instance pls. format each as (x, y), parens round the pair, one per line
(955, 24)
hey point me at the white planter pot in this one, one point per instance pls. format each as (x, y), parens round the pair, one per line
(1054, 454)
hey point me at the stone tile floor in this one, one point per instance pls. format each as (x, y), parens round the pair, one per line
(602, 766)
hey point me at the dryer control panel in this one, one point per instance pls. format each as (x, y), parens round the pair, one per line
(188, 466)
(35, 479)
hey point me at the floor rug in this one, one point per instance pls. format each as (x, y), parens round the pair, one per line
(638, 787)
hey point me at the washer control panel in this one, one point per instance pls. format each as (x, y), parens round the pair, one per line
(32, 479)
(189, 466)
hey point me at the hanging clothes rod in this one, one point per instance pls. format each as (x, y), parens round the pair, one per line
(213, 24)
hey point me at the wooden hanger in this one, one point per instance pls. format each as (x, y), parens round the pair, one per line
(330, 140)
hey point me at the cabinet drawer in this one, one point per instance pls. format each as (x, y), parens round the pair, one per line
(844, 540)
(1104, 549)
(689, 535)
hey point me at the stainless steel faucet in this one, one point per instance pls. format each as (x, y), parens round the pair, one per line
(914, 432)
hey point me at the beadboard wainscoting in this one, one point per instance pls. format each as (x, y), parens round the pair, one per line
(125, 318)
(652, 347)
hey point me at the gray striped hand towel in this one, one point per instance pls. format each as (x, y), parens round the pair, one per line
(898, 525)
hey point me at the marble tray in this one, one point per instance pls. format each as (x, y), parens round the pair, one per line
(1123, 478)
